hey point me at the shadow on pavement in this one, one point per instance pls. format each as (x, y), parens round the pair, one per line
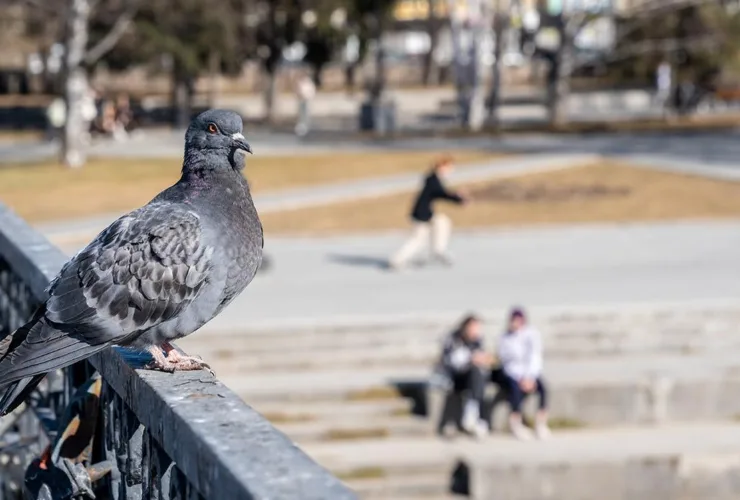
(359, 260)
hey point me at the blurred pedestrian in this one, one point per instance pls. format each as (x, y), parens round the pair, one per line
(520, 355)
(663, 84)
(56, 116)
(93, 112)
(107, 118)
(122, 118)
(305, 91)
(430, 227)
(468, 366)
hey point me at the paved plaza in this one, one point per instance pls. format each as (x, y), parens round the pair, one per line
(640, 322)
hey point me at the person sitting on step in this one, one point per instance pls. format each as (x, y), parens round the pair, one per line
(520, 355)
(468, 367)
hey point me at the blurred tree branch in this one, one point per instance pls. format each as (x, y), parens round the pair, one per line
(106, 44)
(56, 8)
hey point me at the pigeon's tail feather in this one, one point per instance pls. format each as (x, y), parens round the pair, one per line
(40, 358)
(17, 392)
(34, 350)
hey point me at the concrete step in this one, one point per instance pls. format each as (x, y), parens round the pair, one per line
(647, 388)
(429, 485)
(587, 341)
(404, 355)
(638, 331)
(666, 462)
(351, 428)
(645, 322)
(417, 354)
(424, 496)
(286, 412)
(314, 386)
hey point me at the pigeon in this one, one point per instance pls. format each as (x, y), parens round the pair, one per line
(154, 275)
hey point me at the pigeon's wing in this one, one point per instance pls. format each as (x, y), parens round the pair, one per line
(139, 272)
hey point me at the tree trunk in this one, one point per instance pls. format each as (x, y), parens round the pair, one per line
(77, 125)
(433, 32)
(494, 98)
(318, 74)
(476, 106)
(463, 100)
(271, 63)
(351, 61)
(182, 97)
(559, 77)
(214, 73)
(476, 99)
(378, 87)
(349, 77)
(269, 95)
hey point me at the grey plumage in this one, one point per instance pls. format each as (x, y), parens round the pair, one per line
(154, 275)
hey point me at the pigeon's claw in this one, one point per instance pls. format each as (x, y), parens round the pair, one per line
(174, 361)
(187, 363)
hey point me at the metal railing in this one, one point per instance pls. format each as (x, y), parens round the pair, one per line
(142, 434)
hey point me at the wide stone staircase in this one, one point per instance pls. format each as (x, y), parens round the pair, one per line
(645, 404)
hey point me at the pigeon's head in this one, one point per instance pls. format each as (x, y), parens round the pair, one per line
(217, 132)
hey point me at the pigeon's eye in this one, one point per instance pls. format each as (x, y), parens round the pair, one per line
(212, 128)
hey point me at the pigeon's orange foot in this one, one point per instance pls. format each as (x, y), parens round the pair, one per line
(174, 361)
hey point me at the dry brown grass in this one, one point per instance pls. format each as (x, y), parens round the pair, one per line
(288, 418)
(354, 434)
(50, 192)
(558, 424)
(401, 412)
(362, 473)
(638, 195)
(374, 394)
(684, 123)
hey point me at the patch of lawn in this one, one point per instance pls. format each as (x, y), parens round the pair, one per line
(288, 418)
(362, 473)
(48, 191)
(373, 393)
(562, 423)
(606, 191)
(353, 434)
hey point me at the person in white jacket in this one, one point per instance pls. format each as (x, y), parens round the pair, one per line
(520, 355)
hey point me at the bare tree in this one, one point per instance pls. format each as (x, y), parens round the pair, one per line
(563, 59)
(466, 59)
(500, 24)
(377, 88)
(77, 57)
(432, 25)
(563, 63)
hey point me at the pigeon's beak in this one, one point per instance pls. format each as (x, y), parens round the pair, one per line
(240, 142)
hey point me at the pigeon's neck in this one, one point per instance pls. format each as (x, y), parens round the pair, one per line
(207, 179)
(204, 161)
(213, 179)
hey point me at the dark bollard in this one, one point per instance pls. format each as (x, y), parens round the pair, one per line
(378, 116)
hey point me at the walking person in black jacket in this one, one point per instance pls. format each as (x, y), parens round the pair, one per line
(428, 226)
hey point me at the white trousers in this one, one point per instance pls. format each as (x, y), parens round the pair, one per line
(435, 233)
